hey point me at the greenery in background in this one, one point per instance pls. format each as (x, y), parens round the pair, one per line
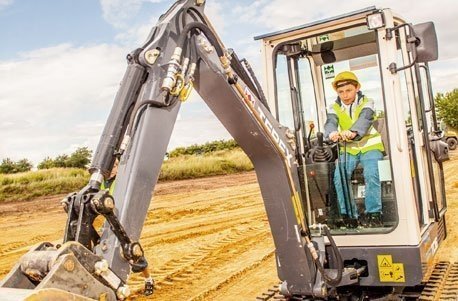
(200, 149)
(8, 166)
(28, 185)
(78, 159)
(447, 107)
(195, 166)
(44, 182)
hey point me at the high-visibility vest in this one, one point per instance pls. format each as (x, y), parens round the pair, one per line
(371, 141)
(110, 185)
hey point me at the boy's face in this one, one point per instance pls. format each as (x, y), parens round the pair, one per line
(347, 93)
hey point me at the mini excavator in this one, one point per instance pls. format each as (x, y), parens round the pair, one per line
(281, 131)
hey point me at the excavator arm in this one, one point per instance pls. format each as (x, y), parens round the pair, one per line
(182, 52)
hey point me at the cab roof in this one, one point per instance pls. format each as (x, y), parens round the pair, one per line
(356, 12)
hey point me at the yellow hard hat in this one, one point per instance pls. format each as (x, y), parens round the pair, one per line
(345, 78)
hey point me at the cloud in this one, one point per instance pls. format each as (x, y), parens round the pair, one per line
(215, 12)
(444, 75)
(197, 127)
(137, 35)
(55, 97)
(5, 3)
(119, 12)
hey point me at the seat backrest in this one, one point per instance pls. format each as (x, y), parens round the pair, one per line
(380, 126)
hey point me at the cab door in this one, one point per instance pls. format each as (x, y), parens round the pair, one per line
(427, 171)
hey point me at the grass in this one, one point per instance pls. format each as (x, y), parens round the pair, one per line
(33, 184)
(197, 166)
(29, 185)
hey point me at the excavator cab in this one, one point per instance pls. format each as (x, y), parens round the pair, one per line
(390, 58)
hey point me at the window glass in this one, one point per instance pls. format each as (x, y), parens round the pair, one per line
(307, 103)
(437, 170)
(284, 107)
(338, 35)
(366, 69)
(307, 93)
(426, 97)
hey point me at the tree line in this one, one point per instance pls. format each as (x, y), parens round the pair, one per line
(200, 149)
(80, 158)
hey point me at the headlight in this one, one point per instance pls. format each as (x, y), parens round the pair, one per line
(375, 21)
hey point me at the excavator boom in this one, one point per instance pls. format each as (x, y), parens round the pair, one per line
(182, 52)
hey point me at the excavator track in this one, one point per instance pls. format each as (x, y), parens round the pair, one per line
(272, 293)
(441, 286)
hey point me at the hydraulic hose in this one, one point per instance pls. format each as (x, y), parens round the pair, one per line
(331, 281)
(136, 116)
(262, 96)
(315, 257)
(208, 33)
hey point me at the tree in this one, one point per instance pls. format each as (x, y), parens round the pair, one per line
(80, 158)
(7, 166)
(23, 165)
(199, 149)
(447, 107)
(61, 161)
(47, 163)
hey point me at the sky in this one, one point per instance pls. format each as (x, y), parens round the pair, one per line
(61, 62)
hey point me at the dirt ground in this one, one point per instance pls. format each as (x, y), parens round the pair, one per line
(205, 239)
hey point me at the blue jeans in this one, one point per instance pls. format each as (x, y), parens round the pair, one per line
(373, 197)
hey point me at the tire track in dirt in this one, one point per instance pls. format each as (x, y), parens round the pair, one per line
(157, 216)
(179, 233)
(212, 292)
(191, 271)
(11, 248)
(221, 234)
(201, 204)
(178, 269)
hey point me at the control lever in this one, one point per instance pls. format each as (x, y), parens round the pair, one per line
(311, 126)
(322, 153)
(320, 137)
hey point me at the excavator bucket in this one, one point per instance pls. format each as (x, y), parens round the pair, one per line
(66, 272)
(48, 294)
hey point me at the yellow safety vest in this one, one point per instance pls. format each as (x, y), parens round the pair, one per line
(110, 185)
(370, 141)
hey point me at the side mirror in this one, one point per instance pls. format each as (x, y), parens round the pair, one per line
(427, 48)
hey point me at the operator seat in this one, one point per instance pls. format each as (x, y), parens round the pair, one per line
(380, 126)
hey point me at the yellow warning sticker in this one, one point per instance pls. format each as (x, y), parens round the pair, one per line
(389, 271)
(398, 272)
(384, 261)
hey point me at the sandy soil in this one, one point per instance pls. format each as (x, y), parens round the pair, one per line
(205, 239)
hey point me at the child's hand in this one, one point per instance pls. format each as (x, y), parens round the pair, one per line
(334, 136)
(347, 135)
